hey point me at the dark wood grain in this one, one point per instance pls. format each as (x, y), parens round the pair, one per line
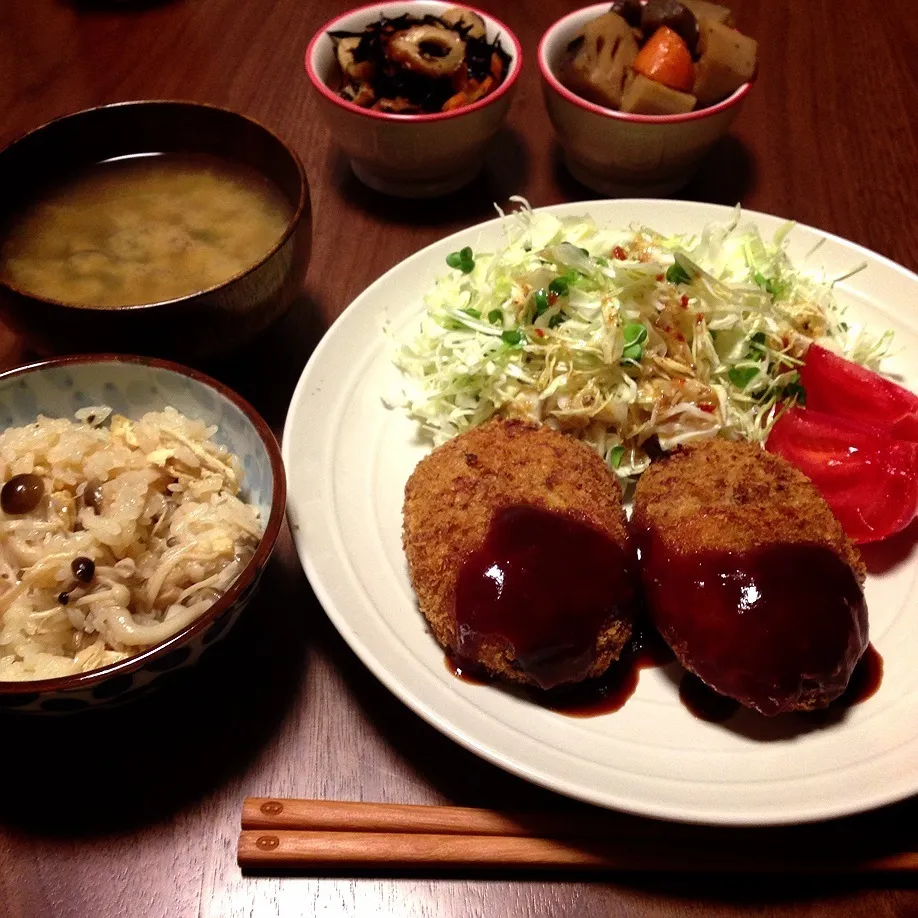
(136, 812)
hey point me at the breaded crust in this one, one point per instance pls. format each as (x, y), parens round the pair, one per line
(453, 494)
(725, 495)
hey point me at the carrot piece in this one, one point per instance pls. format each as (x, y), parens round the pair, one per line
(666, 59)
(460, 78)
(483, 88)
(472, 93)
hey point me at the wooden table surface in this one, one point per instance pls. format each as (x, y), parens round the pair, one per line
(135, 812)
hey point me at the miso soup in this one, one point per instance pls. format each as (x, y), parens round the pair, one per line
(143, 229)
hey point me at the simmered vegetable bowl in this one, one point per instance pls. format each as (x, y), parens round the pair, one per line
(659, 57)
(623, 337)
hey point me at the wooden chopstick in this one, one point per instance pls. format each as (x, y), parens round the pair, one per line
(349, 816)
(317, 834)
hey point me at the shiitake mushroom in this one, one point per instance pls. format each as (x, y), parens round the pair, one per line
(629, 10)
(673, 15)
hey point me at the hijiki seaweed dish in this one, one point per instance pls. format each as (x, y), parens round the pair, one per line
(412, 65)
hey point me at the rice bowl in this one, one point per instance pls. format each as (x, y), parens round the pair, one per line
(136, 531)
(133, 387)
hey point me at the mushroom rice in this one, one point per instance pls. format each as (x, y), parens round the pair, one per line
(114, 535)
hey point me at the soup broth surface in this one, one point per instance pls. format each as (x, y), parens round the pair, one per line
(143, 229)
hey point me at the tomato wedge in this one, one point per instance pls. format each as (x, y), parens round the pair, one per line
(868, 478)
(846, 390)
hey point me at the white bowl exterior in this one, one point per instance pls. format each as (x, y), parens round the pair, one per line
(406, 156)
(415, 159)
(619, 155)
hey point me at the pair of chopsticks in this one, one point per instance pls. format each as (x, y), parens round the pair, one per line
(333, 835)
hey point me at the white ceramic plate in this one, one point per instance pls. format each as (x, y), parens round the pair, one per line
(348, 458)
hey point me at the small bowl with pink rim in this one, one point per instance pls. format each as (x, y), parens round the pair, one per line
(618, 153)
(410, 155)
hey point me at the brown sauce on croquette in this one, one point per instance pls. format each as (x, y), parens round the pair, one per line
(647, 650)
(702, 701)
(865, 683)
(546, 583)
(769, 626)
(592, 697)
(467, 671)
(865, 680)
(706, 704)
(608, 693)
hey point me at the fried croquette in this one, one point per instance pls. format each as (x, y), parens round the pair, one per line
(749, 577)
(519, 553)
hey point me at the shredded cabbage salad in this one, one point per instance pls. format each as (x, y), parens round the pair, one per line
(628, 339)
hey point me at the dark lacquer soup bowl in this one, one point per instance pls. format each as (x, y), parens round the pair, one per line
(60, 286)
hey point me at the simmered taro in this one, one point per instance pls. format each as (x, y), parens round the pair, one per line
(728, 60)
(414, 65)
(644, 96)
(703, 9)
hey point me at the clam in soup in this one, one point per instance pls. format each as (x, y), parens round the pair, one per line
(143, 229)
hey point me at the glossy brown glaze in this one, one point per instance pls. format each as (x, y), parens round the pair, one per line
(593, 697)
(778, 628)
(547, 585)
(704, 702)
(865, 680)
(466, 671)
(610, 692)
(285, 707)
